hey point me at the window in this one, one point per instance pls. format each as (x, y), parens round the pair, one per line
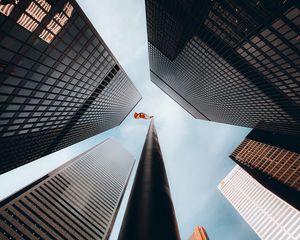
(56, 24)
(6, 9)
(34, 14)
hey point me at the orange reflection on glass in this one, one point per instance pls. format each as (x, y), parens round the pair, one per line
(6, 9)
(56, 24)
(199, 234)
(34, 14)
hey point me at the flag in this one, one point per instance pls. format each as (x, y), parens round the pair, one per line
(141, 115)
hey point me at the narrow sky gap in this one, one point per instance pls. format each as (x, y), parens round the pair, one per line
(195, 152)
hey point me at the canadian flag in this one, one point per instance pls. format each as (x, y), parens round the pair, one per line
(141, 115)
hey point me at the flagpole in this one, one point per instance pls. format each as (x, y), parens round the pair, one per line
(150, 213)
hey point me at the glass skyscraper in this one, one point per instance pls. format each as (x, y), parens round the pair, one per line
(274, 161)
(234, 62)
(79, 200)
(59, 82)
(268, 215)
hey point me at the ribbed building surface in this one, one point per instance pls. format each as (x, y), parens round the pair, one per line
(79, 200)
(231, 61)
(268, 215)
(279, 163)
(59, 82)
(274, 161)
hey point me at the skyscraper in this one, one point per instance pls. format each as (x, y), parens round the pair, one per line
(268, 215)
(79, 200)
(199, 234)
(59, 82)
(150, 213)
(274, 161)
(234, 62)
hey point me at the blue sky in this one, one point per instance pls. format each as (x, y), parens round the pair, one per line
(195, 152)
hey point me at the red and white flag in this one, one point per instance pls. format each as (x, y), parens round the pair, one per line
(141, 115)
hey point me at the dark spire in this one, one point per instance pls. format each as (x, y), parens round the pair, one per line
(150, 213)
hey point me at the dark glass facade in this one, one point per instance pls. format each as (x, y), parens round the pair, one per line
(59, 82)
(231, 61)
(274, 161)
(80, 200)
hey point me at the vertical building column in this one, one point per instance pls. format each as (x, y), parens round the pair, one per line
(150, 213)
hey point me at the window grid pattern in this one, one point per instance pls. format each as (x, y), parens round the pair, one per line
(34, 14)
(6, 9)
(42, 86)
(268, 215)
(216, 76)
(181, 101)
(79, 201)
(278, 163)
(215, 85)
(275, 52)
(59, 20)
(233, 23)
(170, 30)
(31, 90)
(16, 151)
(168, 37)
(113, 103)
(224, 22)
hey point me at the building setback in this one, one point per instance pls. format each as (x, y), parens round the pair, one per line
(268, 215)
(59, 82)
(274, 161)
(235, 62)
(79, 200)
(150, 213)
(199, 234)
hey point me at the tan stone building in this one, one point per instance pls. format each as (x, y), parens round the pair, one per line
(199, 234)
